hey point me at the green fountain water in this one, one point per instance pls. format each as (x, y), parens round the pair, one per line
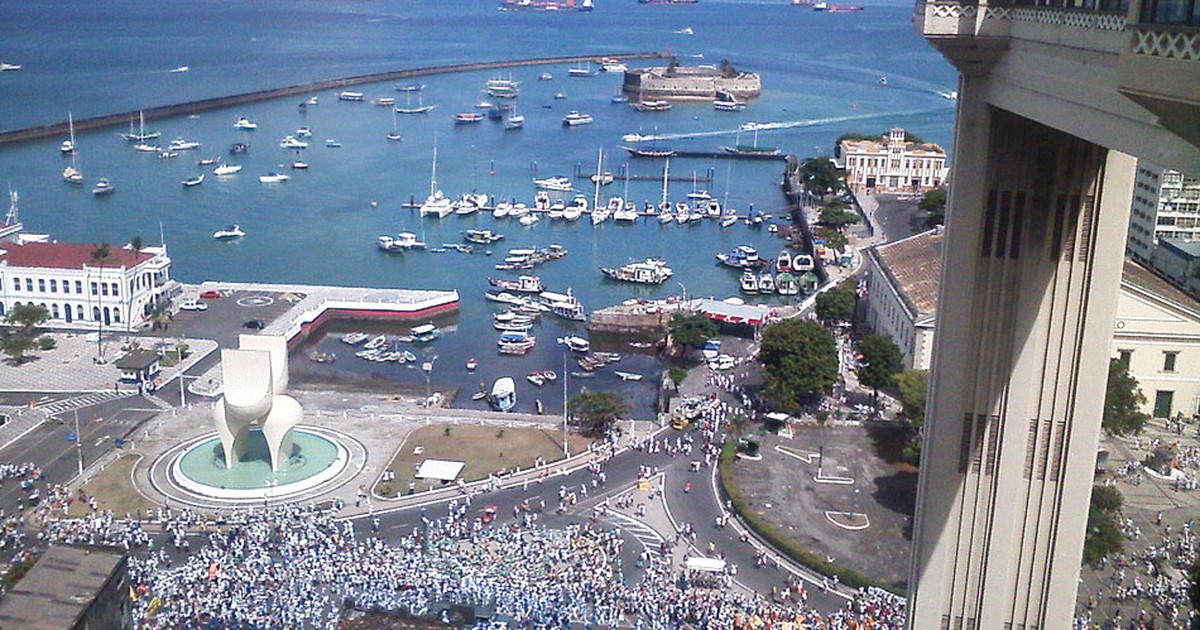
(205, 463)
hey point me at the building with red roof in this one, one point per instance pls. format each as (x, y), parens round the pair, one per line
(83, 282)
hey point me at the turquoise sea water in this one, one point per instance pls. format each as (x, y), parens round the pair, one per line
(820, 75)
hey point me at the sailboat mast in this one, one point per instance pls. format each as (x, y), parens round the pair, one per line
(433, 177)
(71, 132)
(666, 177)
(599, 165)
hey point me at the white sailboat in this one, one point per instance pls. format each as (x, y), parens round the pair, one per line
(408, 108)
(436, 204)
(142, 135)
(72, 174)
(395, 135)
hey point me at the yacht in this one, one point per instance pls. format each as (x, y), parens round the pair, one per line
(574, 119)
(651, 106)
(401, 242)
(147, 148)
(502, 88)
(103, 187)
(541, 201)
(304, 132)
(514, 121)
(436, 204)
(273, 178)
(245, 124)
(728, 220)
(614, 66)
(575, 344)
(351, 96)
(749, 282)
(141, 135)
(530, 219)
(292, 142)
(504, 394)
(194, 180)
(228, 233)
(576, 208)
(227, 169)
(766, 283)
(742, 257)
(560, 184)
(9, 67)
(179, 144)
(802, 262)
(502, 209)
(649, 271)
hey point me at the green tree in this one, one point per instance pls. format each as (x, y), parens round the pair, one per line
(836, 305)
(882, 361)
(820, 176)
(26, 318)
(15, 346)
(834, 239)
(677, 375)
(597, 411)
(1103, 537)
(1122, 402)
(691, 330)
(914, 387)
(933, 204)
(837, 215)
(799, 357)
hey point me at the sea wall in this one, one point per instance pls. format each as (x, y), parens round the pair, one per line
(122, 119)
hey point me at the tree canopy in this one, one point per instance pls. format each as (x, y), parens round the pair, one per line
(597, 411)
(21, 334)
(1103, 537)
(837, 215)
(834, 239)
(691, 330)
(934, 206)
(799, 358)
(836, 305)
(820, 176)
(914, 389)
(1122, 402)
(882, 361)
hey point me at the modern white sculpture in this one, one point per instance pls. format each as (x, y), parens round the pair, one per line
(256, 377)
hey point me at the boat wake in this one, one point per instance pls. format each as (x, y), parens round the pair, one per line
(790, 124)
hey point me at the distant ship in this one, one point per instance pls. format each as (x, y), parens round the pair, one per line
(668, 1)
(546, 5)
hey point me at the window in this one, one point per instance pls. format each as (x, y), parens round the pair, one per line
(1162, 403)
(79, 287)
(41, 285)
(1169, 361)
(94, 289)
(53, 286)
(16, 284)
(29, 284)
(115, 292)
(1124, 357)
(103, 288)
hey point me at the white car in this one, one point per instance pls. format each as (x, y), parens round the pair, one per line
(193, 305)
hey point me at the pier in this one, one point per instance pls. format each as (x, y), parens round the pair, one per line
(166, 111)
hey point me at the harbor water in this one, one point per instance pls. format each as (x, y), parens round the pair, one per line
(821, 76)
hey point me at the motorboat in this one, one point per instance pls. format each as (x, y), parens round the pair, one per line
(575, 344)
(766, 283)
(802, 262)
(194, 180)
(401, 242)
(168, 154)
(238, 147)
(274, 178)
(425, 333)
(785, 284)
(574, 119)
(229, 232)
(9, 67)
(530, 219)
(304, 132)
(354, 97)
(467, 118)
(576, 208)
(208, 161)
(559, 184)
(179, 69)
(651, 106)
(649, 271)
(742, 257)
(783, 262)
(312, 100)
(541, 201)
(292, 142)
(179, 144)
(67, 147)
(299, 164)
(566, 305)
(523, 284)
(481, 237)
(619, 98)
(518, 209)
(603, 179)
(332, 144)
(103, 187)
(504, 394)
(514, 121)
(727, 102)
(245, 124)
(545, 76)
(628, 376)
(559, 96)
(749, 282)
(436, 204)
(227, 169)
(144, 147)
(472, 364)
(614, 66)
(412, 87)
(385, 101)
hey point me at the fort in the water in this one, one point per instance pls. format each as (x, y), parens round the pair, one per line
(698, 82)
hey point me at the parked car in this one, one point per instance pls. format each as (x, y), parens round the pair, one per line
(255, 324)
(193, 305)
(211, 294)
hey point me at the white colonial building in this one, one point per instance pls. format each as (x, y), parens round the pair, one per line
(892, 164)
(74, 286)
(1156, 331)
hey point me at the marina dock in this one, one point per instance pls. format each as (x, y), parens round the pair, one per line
(121, 119)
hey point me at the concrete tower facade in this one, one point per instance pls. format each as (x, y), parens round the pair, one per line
(1055, 106)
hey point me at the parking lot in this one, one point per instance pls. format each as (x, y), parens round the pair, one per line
(227, 316)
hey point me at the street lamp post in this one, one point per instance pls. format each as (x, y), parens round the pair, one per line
(78, 443)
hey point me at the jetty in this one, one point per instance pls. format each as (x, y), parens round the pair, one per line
(190, 107)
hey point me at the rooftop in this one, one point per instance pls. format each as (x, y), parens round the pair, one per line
(915, 267)
(137, 360)
(59, 588)
(882, 144)
(67, 255)
(1184, 246)
(1140, 277)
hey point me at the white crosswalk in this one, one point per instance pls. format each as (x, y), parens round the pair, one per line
(645, 534)
(81, 401)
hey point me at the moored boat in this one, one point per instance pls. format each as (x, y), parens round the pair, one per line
(574, 119)
(229, 232)
(273, 178)
(194, 180)
(103, 187)
(504, 394)
(649, 271)
(227, 169)
(350, 96)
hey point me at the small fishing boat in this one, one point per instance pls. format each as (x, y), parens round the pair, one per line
(575, 344)
(227, 169)
(351, 96)
(425, 333)
(273, 178)
(354, 338)
(628, 376)
(472, 364)
(245, 124)
(194, 180)
(103, 187)
(536, 378)
(229, 232)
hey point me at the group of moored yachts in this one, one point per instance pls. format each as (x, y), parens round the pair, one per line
(754, 282)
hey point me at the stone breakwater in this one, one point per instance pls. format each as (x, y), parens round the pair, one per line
(166, 111)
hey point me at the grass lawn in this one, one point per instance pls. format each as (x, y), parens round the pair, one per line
(113, 490)
(484, 449)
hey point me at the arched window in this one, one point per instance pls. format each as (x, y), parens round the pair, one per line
(53, 311)
(68, 313)
(116, 313)
(79, 312)
(107, 316)
(95, 313)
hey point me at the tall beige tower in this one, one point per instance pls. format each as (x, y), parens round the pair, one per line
(1054, 106)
